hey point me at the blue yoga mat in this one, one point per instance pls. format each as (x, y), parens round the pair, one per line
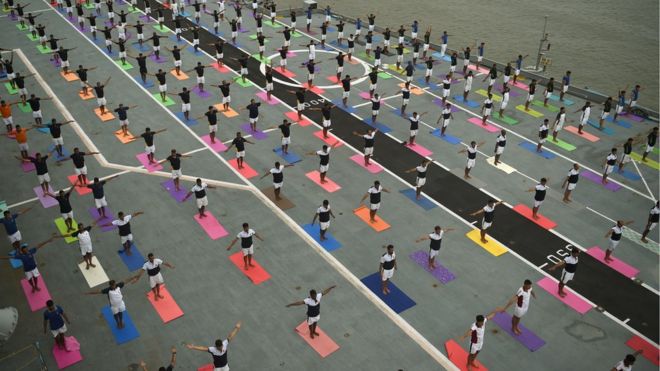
(532, 148)
(149, 83)
(142, 49)
(423, 202)
(65, 153)
(192, 50)
(44, 130)
(290, 157)
(447, 138)
(629, 175)
(134, 261)
(343, 45)
(396, 299)
(470, 103)
(397, 111)
(566, 102)
(124, 335)
(619, 122)
(381, 127)
(173, 38)
(315, 231)
(340, 105)
(606, 130)
(15, 263)
(190, 122)
(445, 58)
(422, 83)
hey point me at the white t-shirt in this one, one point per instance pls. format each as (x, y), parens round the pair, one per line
(622, 367)
(119, 222)
(468, 83)
(84, 239)
(387, 258)
(478, 333)
(115, 297)
(277, 170)
(152, 265)
(523, 298)
(312, 302)
(501, 140)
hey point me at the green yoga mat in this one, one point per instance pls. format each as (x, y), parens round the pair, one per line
(561, 144)
(245, 84)
(23, 28)
(44, 50)
(168, 101)
(550, 107)
(163, 30)
(127, 66)
(260, 59)
(11, 90)
(384, 75)
(254, 37)
(24, 107)
(61, 226)
(33, 38)
(505, 119)
(276, 25)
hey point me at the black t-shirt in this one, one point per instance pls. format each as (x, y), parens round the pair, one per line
(34, 103)
(121, 112)
(185, 96)
(78, 159)
(286, 129)
(199, 70)
(239, 143)
(340, 60)
(254, 109)
(212, 116)
(40, 165)
(148, 138)
(161, 78)
(99, 91)
(224, 89)
(175, 161)
(55, 129)
(97, 189)
(65, 205)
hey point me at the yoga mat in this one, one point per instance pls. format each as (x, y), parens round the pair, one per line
(331, 140)
(256, 274)
(470, 103)
(491, 246)
(549, 107)
(177, 195)
(36, 300)
(142, 157)
(258, 135)
(246, 171)
(181, 76)
(166, 307)
(69, 76)
(15, 263)
(520, 85)
(93, 276)
(373, 167)
(263, 59)
(632, 117)
(650, 351)
(322, 343)
(202, 94)
(289, 157)
(46, 201)
(124, 66)
(158, 60)
(501, 165)
(69, 355)
(488, 127)
(616, 264)
(25, 108)
(264, 97)
(285, 73)
(218, 146)
(124, 138)
(80, 189)
(531, 112)
(527, 338)
(532, 148)
(329, 244)
(447, 138)
(329, 185)
(542, 221)
(480, 70)
(65, 152)
(189, 122)
(229, 113)
(606, 130)
(505, 119)
(484, 93)
(377, 125)
(440, 273)
(397, 300)
(419, 150)
(168, 101)
(384, 75)
(94, 212)
(598, 179)
(379, 225)
(61, 227)
(340, 105)
(628, 174)
(283, 203)
(10, 90)
(423, 202)
(572, 300)
(365, 95)
(221, 69)
(650, 163)
(413, 89)
(590, 137)
(245, 84)
(619, 122)
(293, 116)
(134, 261)
(125, 334)
(211, 226)
(43, 50)
(459, 357)
(107, 116)
(565, 102)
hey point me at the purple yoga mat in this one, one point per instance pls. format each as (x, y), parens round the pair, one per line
(258, 135)
(512, 93)
(46, 201)
(598, 179)
(633, 117)
(527, 338)
(202, 94)
(177, 195)
(101, 221)
(157, 60)
(55, 63)
(441, 273)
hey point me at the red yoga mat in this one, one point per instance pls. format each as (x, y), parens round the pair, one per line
(166, 308)
(256, 274)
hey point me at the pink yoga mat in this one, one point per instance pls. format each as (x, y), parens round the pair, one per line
(329, 185)
(293, 116)
(321, 343)
(286, 73)
(246, 171)
(585, 135)
(80, 189)
(46, 201)
(27, 166)
(619, 266)
(142, 157)
(364, 95)
(36, 300)
(221, 69)
(264, 97)
(420, 150)
(65, 358)
(372, 168)
(314, 89)
(572, 300)
(488, 127)
(520, 85)
(330, 140)
(211, 226)
(218, 146)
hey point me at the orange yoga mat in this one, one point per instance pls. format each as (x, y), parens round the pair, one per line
(167, 308)
(228, 113)
(181, 76)
(379, 225)
(458, 356)
(322, 343)
(122, 138)
(256, 274)
(87, 96)
(246, 171)
(107, 116)
(71, 76)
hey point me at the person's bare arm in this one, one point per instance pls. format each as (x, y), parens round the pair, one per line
(233, 332)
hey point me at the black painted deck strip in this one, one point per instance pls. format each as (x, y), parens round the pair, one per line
(618, 295)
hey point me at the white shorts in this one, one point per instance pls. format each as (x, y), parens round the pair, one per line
(140, 36)
(81, 171)
(491, 81)
(260, 30)
(43, 178)
(368, 151)
(377, 62)
(277, 185)
(15, 237)
(286, 141)
(530, 97)
(409, 78)
(324, 225)
(419, 182)
(604, 115)
(327, 123)
(415, 55)
(345, 94)
(85, 249)
(262, 48)
(648, 148)
(387, 274)
(537, 203)
(219, 55)
(240, 154)
(414, 35)
(367, 46)
(177, 31)
(399, 58)
(234, 34)
(100, 202)
(517, 73)
(374, 112)
(203, 201)
(101, 101)
(156, 280)
(506, 79)
(401, 40)
(386, 43)
(282, 62)
(33, 273)
(58, 141)
(372, 86)
(625, 159)
(185, 107)
(350, 50)
(37, 114)
(452, 68)
(213, 128)
(111, 15)
(177, 63)
(619, 109)
(571, 186)
(23, 146)
(633, 103)
(371, 27)
(475, 348)
(323, 37)
(609, 169)
(405, 101)
(59, 331)
(309, 21)
(652, 226)
(504, 104)
(564, 88)
(121, 307)
(226, 99)
(310, 76)
(566, 276)
(150, 149)
(413, 133)
(485, 225)
(108, 42)
(287, 43)
(445, 122)
(200, 80)
(613, 244)
(196, 14)
(548, 94)
(470, 163)
(253, 120)
(499, 150)
(156, 48)
(248, 250)
(340, 35)
(8, 120)
(313, 320)
(123, 122)
(324, 168)
(428, 72)
(519, 312)
(445, 93)
(22, 91)
(244, 71)
(374, 206)
(433, 253)
(162, 88)
(487, 111)
(68, 215)
(176, 174)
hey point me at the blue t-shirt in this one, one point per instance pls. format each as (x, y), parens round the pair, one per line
(445, 38)
(414, 26)
(55, 317)
(481, 51)
(10, 224)
(27, 259)
(358, 24)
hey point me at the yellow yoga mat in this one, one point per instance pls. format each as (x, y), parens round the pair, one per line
(531, 112)
(649, 162)
(492, 247)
